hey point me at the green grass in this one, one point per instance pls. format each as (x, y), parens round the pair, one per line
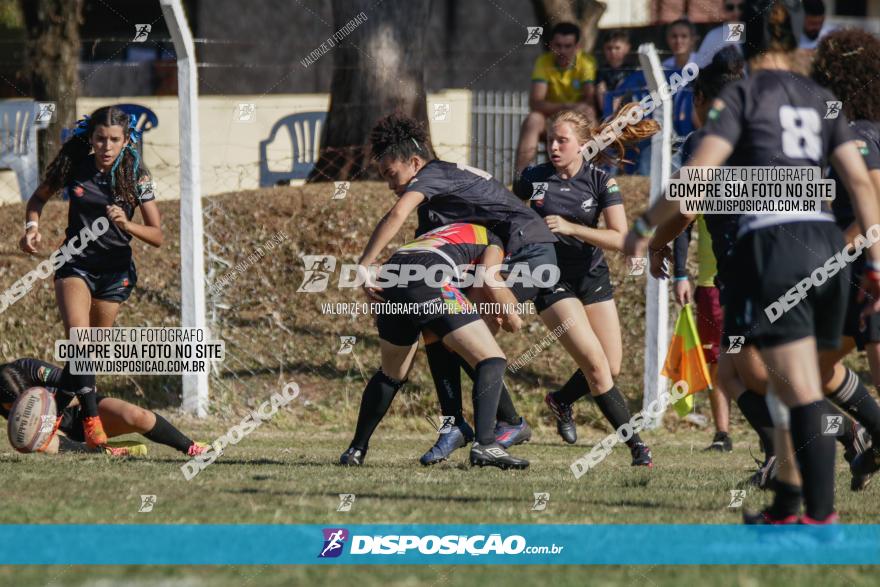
(284, 474)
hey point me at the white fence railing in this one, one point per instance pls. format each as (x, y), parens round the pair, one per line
(496, 118)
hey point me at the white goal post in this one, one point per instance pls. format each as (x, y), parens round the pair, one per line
(192, 260)
(656, 291)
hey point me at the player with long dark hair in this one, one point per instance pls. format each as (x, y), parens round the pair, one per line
(775, 117)
(101, 173)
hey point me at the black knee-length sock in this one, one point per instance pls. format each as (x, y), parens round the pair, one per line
(613, 406)
(854, 398)
(754, 408)
(377, 398)
(165, 433)
(84, 387)
(574, 389)
(488, 376)
(815, 456)
(506, 410)
(446, 372)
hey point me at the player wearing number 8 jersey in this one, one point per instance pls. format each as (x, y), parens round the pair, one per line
(776, 117)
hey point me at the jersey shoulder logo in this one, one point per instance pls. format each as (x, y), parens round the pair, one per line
(612, 186)
(717, 106)
(43, 373)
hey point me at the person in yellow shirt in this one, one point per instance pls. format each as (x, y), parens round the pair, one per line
(563, 79)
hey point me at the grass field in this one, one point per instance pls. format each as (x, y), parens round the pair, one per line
(283, 473)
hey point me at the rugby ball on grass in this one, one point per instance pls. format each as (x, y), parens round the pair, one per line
(31, 420)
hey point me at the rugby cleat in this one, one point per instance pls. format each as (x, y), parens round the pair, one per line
(459, 436)
(764, 517)
(863, 467)
(763, 477)
(93, 431)
(720, 443)
(353, 457)
(197, 448)
(493, 455)
(125, 448)
(860, 442)
(641, 455)
(564, 419)
(832, 518)
(508, 435)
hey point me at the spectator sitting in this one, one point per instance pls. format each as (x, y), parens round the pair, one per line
(814, 24)
(562, 80)
(611, 75)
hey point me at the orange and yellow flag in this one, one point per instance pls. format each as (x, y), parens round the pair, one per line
(685, 360)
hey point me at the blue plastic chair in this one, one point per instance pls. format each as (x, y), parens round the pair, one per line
(18, 143)
(305, 130)
(147, 120)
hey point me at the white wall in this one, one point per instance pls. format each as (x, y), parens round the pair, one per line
(230, 149)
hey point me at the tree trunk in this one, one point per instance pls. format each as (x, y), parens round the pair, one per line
(378, 68)
(53, 47)
(585, 13)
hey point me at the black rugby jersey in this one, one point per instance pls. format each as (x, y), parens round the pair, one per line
(777, 118)
(459, 193)
(89, 194)
(868, 141)
(458, 244)
(579, 199)
(38, 373)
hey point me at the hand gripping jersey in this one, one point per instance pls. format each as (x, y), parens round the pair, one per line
(579, 199)
(460, 193)
(457, 244)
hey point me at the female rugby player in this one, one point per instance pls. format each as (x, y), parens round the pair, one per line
(441, 308)
(571, 194)
(102, 175)
(119, 417)
(447, 193)
(775, 118)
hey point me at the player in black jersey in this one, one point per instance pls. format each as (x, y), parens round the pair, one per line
(848, 61)
(100, 171)
(571, 194)
(444, 193)
(433, 302)
(775, 117)
(119, 417)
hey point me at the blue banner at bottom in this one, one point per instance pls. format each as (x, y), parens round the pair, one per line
(452, 544)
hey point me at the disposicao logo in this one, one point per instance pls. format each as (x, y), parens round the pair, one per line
(334, 540)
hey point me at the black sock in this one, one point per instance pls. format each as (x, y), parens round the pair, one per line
(165, 433)
(847, 435)
(377, 398)
(446, 372)
(613, 406)
(574, 389)
(754, 408)
(786, 500)
(506, 411)
(815, 456)
(853, 398)
(489, 374)
(84, 388)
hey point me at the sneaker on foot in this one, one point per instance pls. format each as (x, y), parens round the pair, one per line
(197, 448)
(721, 443)
(863, 467)
(829, 520)
(764, 517)
(641, 455)
(125, 448)
(765, 474)
(564, 419)
(353, 457)
(508, 435)
(494, 455)
(457, 437)
(94, 432)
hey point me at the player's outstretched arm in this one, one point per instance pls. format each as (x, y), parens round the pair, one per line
(389, 226)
